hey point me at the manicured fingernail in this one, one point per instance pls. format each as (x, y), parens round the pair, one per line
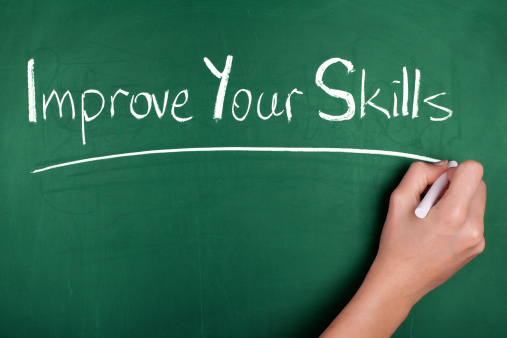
(441, 163)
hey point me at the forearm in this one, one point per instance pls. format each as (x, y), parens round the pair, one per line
(376, 310)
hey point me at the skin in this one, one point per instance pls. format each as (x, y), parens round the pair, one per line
(417, 255)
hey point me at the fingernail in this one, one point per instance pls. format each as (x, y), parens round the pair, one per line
(441, 163)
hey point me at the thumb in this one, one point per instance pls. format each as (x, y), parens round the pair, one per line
(418, 177)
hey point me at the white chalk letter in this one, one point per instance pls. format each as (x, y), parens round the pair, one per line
(404, 104)
(447, 110)
(119, 91)
(84, 115)
(287, 103)
(155, 103)
(132, 100)
(234, 104)
(32, 113)
(395, 105)
(273, 107)
(335, 92)
(415, 104)
(60, 103)
(363, 103)
(274, 103)
(177, 105)
(224, 78)
(259, 108)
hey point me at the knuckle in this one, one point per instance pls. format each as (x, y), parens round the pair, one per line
(417, 166)
(475, 236)
(473, 167)
(456, 215)
(479, 248)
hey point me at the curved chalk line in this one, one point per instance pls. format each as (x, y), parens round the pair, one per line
(252, 149)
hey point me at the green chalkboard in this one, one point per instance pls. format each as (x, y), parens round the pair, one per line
(174, 194)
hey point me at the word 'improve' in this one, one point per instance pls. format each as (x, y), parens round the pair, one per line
(182, 98)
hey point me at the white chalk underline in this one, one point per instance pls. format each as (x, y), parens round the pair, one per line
(251, 149)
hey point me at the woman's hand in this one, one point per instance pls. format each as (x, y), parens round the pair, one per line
(417, 255)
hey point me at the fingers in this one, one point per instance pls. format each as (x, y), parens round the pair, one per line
(465, 181)
(418, 177)
(450, 173)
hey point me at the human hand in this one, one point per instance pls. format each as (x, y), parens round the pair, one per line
(417, 255)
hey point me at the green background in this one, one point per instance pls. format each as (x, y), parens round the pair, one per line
(236, 244)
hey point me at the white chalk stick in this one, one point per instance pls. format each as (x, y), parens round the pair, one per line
(436, 189)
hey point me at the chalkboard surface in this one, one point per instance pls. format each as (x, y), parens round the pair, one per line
(152, 184)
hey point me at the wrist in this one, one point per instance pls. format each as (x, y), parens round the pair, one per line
(377, 309)
(386, 289)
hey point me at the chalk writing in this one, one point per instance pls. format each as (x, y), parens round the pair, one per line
(238, 112)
